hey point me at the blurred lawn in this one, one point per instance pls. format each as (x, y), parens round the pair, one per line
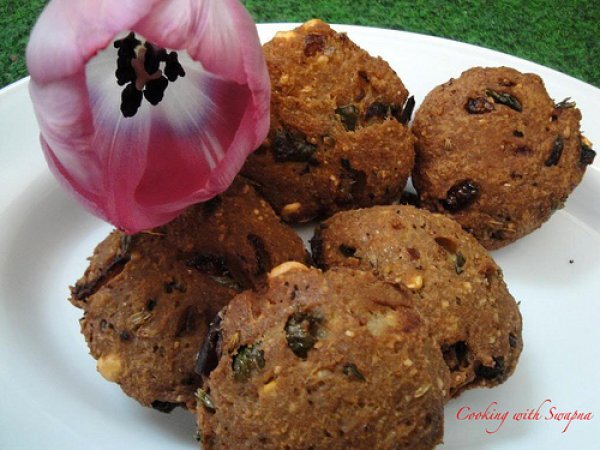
(563, 35)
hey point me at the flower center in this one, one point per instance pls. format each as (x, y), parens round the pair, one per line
(139, 67)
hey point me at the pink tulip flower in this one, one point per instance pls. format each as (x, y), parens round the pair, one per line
(147, 106)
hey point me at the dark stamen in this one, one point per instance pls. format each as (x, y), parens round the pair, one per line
(127, 46)
(150, 59)
(172, 67)
(126, 52)
(143, 76)
(131, 99)
(124, 72)
(161, 54)
(155, 90)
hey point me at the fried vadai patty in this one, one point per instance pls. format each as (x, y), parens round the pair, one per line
(148, 298)
(453, 281)
(331, 360)
(337, 138)
(496, 153)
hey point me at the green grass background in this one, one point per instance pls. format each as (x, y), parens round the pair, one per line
(564, 34)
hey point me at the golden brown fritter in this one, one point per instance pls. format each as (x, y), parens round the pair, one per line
(336, 140)
(333, 360)
(497, 154)
(454, 283)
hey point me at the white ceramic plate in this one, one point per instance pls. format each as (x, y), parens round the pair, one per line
(53, 398)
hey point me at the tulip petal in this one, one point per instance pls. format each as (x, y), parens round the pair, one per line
(70, 32)
(222, 36)
(139, 172)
